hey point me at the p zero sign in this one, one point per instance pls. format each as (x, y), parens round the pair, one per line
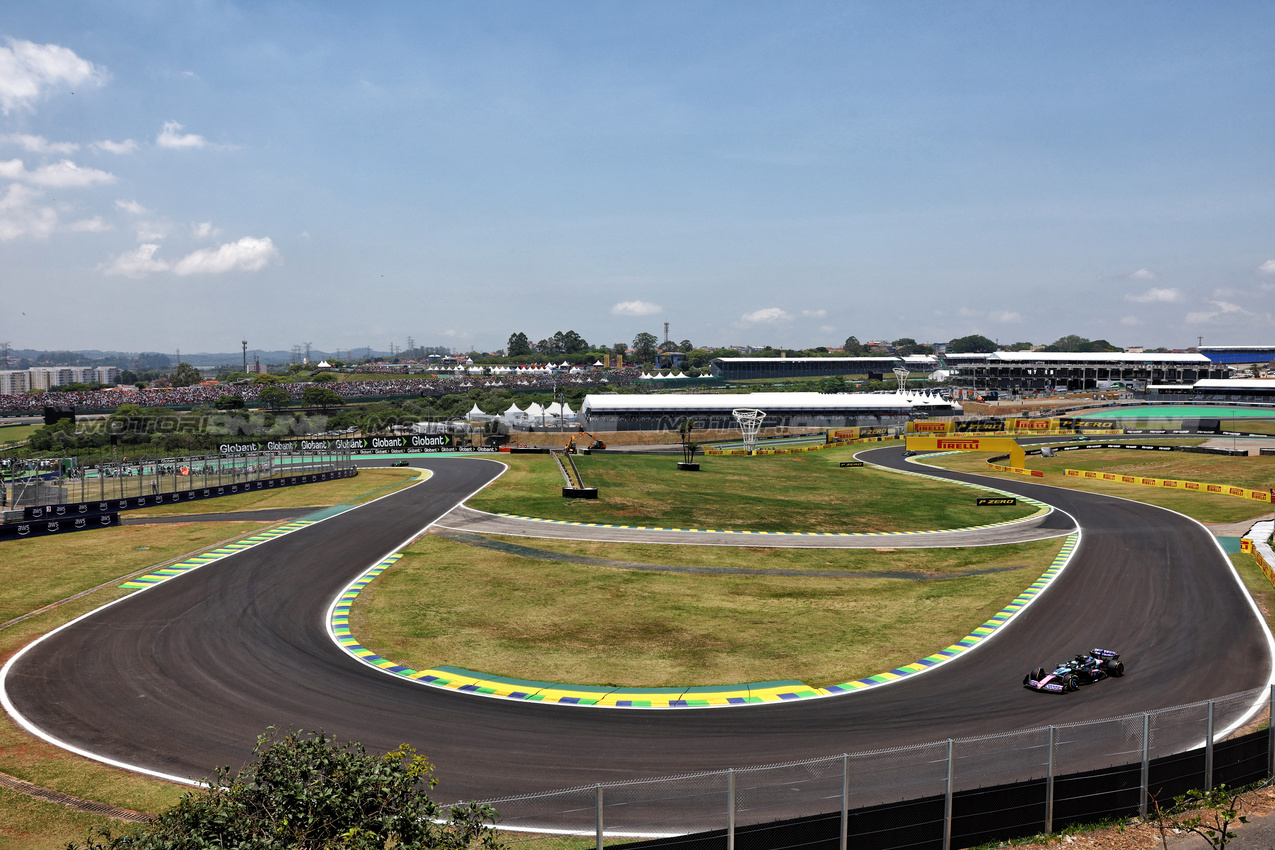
(997, 502)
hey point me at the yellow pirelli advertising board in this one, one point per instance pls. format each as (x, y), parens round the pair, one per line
(1175, 484)
(962, 443)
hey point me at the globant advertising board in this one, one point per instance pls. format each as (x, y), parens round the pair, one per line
(410, 444)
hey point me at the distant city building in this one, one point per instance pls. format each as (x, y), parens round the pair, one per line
(107, 375)
(14, 381)
(50, 377)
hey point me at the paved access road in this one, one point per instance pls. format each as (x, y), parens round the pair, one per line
(182, 677)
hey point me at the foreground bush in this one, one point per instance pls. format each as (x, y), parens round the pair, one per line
(306, 790)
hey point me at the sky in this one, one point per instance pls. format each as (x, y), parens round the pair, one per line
(183, 175)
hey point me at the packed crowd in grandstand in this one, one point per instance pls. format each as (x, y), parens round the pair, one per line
(28, 404)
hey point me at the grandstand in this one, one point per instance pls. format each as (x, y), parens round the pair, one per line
(1239, 355)
(1061, 371)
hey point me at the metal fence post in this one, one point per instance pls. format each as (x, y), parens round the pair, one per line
(730, 809)
(845, 800)
(1270, 735)
(1049, 787)
(1208, 753)
(1146, 752)
(598, 825)
(947, 801)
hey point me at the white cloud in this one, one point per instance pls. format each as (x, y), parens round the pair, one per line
(636, 308)
(61, 175)
(1130, 321)
(204, 230)
(1142, 274)
(152, 231)
(136, 263)
(28, 71)
(1224, 308)
(1005, 316)
(1156, 296)
(1267, 267)
(767, 315)
(172, 137)
(20, 217)
(126, 146)
(248, 254)
(132, 207)
(826, 329)
(39, 144)
(89, 225)
(966, 313)
(814, 314)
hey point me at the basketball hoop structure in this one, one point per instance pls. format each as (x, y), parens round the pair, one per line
(749, 424)
(902, 375)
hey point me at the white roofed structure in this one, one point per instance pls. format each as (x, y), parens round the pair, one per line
(713, 410)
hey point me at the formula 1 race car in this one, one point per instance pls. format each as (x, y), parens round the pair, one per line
(1070, 675)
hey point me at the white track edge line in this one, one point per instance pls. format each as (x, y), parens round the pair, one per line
(30, 727)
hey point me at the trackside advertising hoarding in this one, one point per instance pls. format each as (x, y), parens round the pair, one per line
(410, 444)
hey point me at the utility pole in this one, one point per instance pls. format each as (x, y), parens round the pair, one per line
(4, 355)
(666, 331)
(245, 355)
(307, 352)
(411, 344)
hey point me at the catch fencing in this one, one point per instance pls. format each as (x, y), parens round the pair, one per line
(935, 796)
(31, 483)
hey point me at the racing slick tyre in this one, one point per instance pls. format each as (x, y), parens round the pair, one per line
(1115, 669)
(1072, 683)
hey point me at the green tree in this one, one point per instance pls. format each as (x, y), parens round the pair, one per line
(321, 397)
(310, 791)
(832, 384)
(518, 345)
(274, 397)
(972, 344)
(1072, 342)
(569, 343)
(852, 347)
(620, 348)
(186, 375)
(229, 402)
(907, 345)
(324, 378)
(644, 347)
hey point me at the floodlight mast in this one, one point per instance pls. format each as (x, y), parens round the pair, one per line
(749, 424)
(902, 374)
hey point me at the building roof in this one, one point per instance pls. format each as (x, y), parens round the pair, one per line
(821, 360)
(1182, 358)
(1263, 384)
(770, 402)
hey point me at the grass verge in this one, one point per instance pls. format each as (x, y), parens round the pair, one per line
(1252, 472)
(799, 492)
(557, 621)
(368, 484)
(30, 824)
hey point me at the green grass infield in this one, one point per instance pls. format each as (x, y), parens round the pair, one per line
(535, 618)
(797, 492)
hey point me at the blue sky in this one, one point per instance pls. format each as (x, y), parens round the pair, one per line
(187, 174)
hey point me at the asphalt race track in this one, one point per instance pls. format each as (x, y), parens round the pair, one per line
(182, 677)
